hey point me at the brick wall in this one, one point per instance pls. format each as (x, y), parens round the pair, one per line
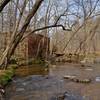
(28, 47)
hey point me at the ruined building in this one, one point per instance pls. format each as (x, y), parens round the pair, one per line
(35, 45)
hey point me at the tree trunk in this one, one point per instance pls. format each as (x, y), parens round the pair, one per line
(3, 4)
(5, 59)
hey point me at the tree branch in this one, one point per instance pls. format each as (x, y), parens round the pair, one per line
(3, 4)
(50, 26)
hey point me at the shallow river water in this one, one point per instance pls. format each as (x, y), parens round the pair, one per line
(42, 83)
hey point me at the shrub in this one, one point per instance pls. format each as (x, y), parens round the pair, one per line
(6, 76)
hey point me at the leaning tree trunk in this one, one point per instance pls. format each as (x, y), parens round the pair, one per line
(8, 53)
(3, 4)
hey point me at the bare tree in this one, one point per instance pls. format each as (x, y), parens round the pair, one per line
(87, 10)
(6, 57)
(53, 19)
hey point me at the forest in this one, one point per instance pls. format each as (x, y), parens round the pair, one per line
(49, 49)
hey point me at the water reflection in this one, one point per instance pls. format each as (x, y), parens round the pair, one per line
(97, 79)
(32, 70)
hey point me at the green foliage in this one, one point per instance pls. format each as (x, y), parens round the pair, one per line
(13, 66)
(13, 61)
(6, 76)
(39, 61)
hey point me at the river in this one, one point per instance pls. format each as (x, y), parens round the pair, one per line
(43, 83)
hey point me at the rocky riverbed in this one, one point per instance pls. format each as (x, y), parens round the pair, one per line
(53, 86)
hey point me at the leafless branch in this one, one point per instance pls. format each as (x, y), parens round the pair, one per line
(3, 4)
(46, 27)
